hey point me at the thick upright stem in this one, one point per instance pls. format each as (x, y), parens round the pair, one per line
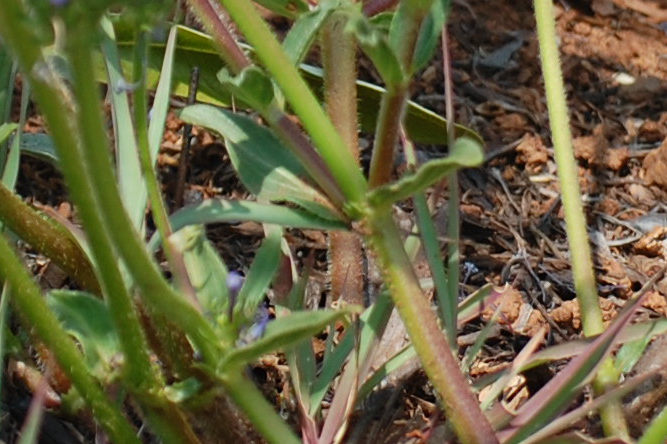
(461, 407)
(340, 75)
(613, 420)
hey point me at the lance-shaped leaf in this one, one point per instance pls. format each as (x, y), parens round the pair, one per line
(559, 391)
(465, 153)
(304, 30)
(429, 34)
(87, 318)
(261, 273)
(130, 180)
(266, 167)
(282, 334)
(206, 271)
(376, 46)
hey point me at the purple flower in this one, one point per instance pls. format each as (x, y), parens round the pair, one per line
(59, 3)
(234, 283)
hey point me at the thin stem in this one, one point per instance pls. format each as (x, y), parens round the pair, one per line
(389, 122)
(329, 142)
(262, 414)
(434, 351)
(392, 107)
(31, 306)
(580, 254)
(453, 204)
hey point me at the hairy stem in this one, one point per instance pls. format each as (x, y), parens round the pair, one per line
(613, 420)
(340, 75)
(461, 406)
(49, 238)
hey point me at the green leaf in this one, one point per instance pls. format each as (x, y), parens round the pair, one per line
(130, 179)
(195, 48)
(252, 86)
(283, 333)
(465, 153)
(6, 129)
(261, 273)
(39, 145)
(429, 34)
(161, 101)
(206, 271)
(301, 358)
(181, 391)
(302, 34)
(218, 210)
(266, 167)
(372, 322)
(376, 46)
(87, 318)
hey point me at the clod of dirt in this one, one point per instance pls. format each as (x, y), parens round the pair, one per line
(655, 166)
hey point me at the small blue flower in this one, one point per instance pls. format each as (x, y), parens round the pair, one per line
(59, 3)
(234, 281)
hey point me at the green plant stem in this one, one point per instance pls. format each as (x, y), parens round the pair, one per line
(262, 414)
(392, 107)
(461, 407)
(450, 299)
(49, 238)
(613, 420)
(340, 76)
(329, 142)
(31, 306)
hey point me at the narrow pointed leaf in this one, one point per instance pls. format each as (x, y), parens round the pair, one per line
(303, 32)
(376, 46)
(261, 273)
(252, 86)
(465, 153)
(429, 34)
(130, 180)
(6, 129)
